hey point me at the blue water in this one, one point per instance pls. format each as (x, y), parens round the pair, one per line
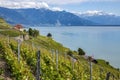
(100, 42)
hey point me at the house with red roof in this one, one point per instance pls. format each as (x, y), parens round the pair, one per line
(19, 27)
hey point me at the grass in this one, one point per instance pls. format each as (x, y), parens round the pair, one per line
(47, 43)
(1, 71)
(6, 29)
(4, 25)
(11, 33)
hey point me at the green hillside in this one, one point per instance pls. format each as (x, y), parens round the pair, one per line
(3, 24)
(65, 70)
(7, 30)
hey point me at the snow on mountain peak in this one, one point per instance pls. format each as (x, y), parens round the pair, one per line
(56, 9)
(95, 12)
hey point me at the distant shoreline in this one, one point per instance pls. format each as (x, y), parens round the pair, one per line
(76, 26)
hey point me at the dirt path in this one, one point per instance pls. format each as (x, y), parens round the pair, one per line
(5, 73)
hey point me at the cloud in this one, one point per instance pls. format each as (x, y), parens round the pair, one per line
(60, 2)
(18, 4)
(55, 2)
(27, 4)
(41, 3)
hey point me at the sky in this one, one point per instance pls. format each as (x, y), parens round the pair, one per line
(109, 6)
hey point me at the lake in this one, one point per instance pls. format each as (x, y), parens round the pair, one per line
(99, 42)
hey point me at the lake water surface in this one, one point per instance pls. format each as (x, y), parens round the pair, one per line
(100, 42)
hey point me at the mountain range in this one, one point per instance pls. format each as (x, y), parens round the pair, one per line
(47, 17)
(101, 17)
(42, 16)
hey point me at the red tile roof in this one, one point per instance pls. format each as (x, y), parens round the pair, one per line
(18, 26)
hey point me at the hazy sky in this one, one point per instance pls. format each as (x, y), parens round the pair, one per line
(110, 6)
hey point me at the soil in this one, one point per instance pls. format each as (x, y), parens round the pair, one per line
(5, 75)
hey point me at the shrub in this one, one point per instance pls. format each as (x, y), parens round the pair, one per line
(49, 35)
(80, 51)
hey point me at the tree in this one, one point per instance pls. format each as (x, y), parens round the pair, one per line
(118, 69)
(107, 63)
(25, 30)
(30, 31)
(49, 35)
(33, 33)
(70, 53)
(80, 51)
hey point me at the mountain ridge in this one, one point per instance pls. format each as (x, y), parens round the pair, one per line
(42, 16)
(48, 17)
(103, 18)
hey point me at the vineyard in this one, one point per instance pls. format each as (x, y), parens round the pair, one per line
(55, 62)
(65, 69)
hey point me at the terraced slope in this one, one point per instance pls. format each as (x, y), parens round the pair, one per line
(55, 62)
